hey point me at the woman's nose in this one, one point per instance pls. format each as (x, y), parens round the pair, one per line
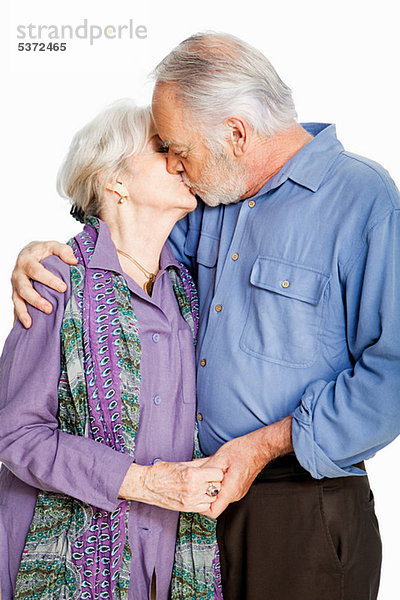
(174, 164)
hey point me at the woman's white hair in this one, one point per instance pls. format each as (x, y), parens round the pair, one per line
(99, 151)
(218, 76)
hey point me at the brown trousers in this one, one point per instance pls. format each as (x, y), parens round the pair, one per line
(293, 537)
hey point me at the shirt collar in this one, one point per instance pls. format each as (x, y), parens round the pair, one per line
(310, 164)
(105, 254)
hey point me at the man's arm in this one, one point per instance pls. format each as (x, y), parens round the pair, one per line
(243, 458)
(28, 266)
(342, 422)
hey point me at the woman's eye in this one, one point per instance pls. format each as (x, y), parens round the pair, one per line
(163, 149)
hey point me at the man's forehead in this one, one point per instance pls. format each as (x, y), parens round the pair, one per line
(167, 108)
(174, 124)
(163, 91)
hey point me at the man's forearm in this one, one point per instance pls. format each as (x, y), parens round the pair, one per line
(276, 439)
(244, 457)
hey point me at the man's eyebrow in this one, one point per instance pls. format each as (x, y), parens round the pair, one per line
(175, 145)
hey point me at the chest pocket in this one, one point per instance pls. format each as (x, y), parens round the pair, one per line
(285, 313)
(203, 248)
(207, 251)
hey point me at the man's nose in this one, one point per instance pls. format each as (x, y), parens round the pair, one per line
(174, 164)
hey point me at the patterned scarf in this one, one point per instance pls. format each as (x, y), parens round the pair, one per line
(73, 550)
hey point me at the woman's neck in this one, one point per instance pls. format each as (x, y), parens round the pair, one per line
(141, 234)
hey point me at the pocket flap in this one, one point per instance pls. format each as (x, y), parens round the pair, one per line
(207, 251)
(289, 279)
(192, 239)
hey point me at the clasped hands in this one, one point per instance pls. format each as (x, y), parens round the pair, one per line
(182, 486)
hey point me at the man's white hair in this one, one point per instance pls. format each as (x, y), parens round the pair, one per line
(99, 152)
(217, 75)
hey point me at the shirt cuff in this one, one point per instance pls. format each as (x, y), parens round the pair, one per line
(309, 454)
(115, 466)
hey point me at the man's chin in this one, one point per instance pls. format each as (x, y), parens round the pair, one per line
(214, 201)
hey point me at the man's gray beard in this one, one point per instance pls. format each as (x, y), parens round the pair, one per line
(231, 188)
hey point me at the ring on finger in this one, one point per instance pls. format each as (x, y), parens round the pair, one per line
(212, 490)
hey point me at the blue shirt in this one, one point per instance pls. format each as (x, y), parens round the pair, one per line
(300, 308)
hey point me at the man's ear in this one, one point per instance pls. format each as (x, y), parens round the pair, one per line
(238, 135)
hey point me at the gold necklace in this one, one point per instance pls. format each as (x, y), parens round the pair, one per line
(148, 286)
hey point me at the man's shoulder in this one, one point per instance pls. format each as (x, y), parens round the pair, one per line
(368, 179)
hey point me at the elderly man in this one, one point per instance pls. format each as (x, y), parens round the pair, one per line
(296, 251)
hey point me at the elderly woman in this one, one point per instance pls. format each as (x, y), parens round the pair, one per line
(97, 400)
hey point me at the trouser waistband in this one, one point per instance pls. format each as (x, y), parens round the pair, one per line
(288, 467)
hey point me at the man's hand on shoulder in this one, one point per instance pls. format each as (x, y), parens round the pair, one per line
(243, 458)
(28, 267)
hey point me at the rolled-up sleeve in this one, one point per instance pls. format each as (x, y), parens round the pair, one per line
(31, 444)
(341, 422)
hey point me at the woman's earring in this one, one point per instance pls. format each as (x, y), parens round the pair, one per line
(122, 196)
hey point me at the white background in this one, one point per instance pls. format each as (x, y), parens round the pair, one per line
(340, 58)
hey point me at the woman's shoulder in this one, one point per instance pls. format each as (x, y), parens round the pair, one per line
(57, 266)
(60, 269)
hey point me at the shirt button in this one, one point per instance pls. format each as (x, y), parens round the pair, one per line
(199, 417)
(203, 362)
(235, 256)
(156, 337)
(252, 203)
(218, 308)
(285, 284)
(157, 400)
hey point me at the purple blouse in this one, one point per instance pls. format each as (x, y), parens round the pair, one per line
(37, 455)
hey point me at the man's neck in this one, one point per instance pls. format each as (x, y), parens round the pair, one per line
(270, 154)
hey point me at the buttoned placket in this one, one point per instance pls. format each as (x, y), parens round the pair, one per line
(224, 270)
(227, 269)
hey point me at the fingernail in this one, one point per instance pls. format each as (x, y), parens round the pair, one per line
(61, 287)
(46, 307)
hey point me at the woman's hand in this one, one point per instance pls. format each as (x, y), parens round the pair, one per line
(178, 486)
(28, 267)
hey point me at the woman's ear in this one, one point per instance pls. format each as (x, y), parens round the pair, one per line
(237, 135)
(118, 187)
